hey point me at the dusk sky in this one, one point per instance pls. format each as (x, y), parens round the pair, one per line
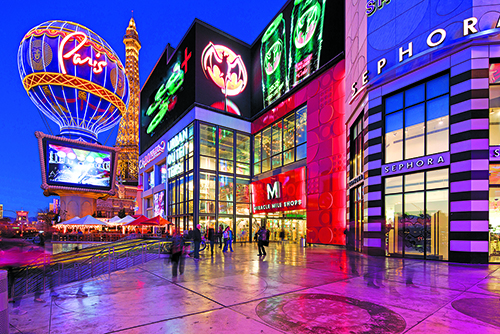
(158, 23)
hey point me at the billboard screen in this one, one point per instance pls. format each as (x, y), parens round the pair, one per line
(293, 46)
(168, 92)
(159, 204)
(72, 166)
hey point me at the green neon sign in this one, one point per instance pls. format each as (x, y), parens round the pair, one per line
(165, 97)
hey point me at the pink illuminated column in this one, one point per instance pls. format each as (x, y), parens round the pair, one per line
(326, 154)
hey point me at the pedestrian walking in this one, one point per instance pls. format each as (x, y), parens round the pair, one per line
(220, 236)
(211, 239)
(177, 254)
(263, 240)
(282, 237)
(197, 241)
(231, 238)
(225, 236)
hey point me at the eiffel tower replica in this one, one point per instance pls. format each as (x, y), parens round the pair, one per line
(128, 135)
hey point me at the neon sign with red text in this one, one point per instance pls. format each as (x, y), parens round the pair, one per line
(96, 65)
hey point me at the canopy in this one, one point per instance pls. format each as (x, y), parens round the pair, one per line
(87, 220)
(115, 219)
(138, 221)
(158, 220)
(69, 221)
(126, 219)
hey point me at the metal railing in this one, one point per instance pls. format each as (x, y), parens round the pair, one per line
(49, 272)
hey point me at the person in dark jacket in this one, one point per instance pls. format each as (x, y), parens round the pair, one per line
(211, 238)
(219, 236)
(177, 256)
(263, 236)
(197, 241)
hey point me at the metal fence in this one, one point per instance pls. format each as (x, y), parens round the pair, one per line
(48, 273)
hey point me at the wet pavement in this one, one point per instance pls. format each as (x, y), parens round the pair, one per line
(291, 290)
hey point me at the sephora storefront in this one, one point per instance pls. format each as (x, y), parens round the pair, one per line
(261, 145)
(423, 124)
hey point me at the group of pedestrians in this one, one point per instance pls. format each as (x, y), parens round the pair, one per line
(224, 238)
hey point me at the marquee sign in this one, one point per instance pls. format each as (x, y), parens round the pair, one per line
(178, 147)
(74, 77)
(417, 164)
(151, 155)
(283, 192)
(438, 38)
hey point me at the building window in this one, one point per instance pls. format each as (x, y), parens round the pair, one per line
(356, 148)
(282, 143)
(163, 171)
(495, 104)
(417, 121)
(416, 212)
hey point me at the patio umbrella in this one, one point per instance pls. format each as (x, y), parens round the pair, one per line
(88, 220)
(125, 220)
(139, 221)
(69, 221)
(115, 219)
(158, 220)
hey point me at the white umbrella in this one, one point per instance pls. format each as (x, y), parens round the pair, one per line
(69, 221)
(115, 219)
(124, 220)
(88, 220)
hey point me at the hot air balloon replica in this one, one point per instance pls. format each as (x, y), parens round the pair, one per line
(77, 81)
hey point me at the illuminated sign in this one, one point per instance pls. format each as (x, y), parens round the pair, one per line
(165, 98)
(373, 5)
(151, 155)
(159, 204)
(273, 191)
(434, 39)
(283, 192)
(226, 69)
(96, 65)
(77, 166)
(494, 153)
(422, 163)
(305, 43)
(74, 77)
(179, 147)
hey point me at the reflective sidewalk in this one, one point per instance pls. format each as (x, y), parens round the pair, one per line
(291, 290)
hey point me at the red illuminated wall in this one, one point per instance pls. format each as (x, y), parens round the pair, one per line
(326, 152)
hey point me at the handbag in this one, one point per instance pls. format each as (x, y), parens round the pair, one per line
(266, 243)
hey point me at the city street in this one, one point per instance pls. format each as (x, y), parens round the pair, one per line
(298, 290)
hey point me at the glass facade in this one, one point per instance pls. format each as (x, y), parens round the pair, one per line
(180, 162)
(224, 176)
(417, 215)
(417, 121)
(281, 143)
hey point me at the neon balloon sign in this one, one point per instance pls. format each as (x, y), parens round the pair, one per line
(97, 66)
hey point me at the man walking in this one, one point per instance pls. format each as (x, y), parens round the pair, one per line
(197, 241)
(211, 238)
(262, 239)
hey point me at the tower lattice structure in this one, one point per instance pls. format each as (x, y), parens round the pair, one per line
(128, 133)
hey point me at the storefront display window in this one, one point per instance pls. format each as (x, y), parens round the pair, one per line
(226, 150)
(207, 140)
(282, 143)
(242, 231)
(494, 221)
(494, 104)
(417, 215)
(207, 186)
(417, 121)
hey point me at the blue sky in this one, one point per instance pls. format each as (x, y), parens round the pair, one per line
(158, 23)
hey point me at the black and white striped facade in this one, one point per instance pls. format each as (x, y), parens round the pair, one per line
(469, 153)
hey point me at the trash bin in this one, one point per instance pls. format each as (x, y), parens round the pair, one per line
(302, 242)
(4, 306)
